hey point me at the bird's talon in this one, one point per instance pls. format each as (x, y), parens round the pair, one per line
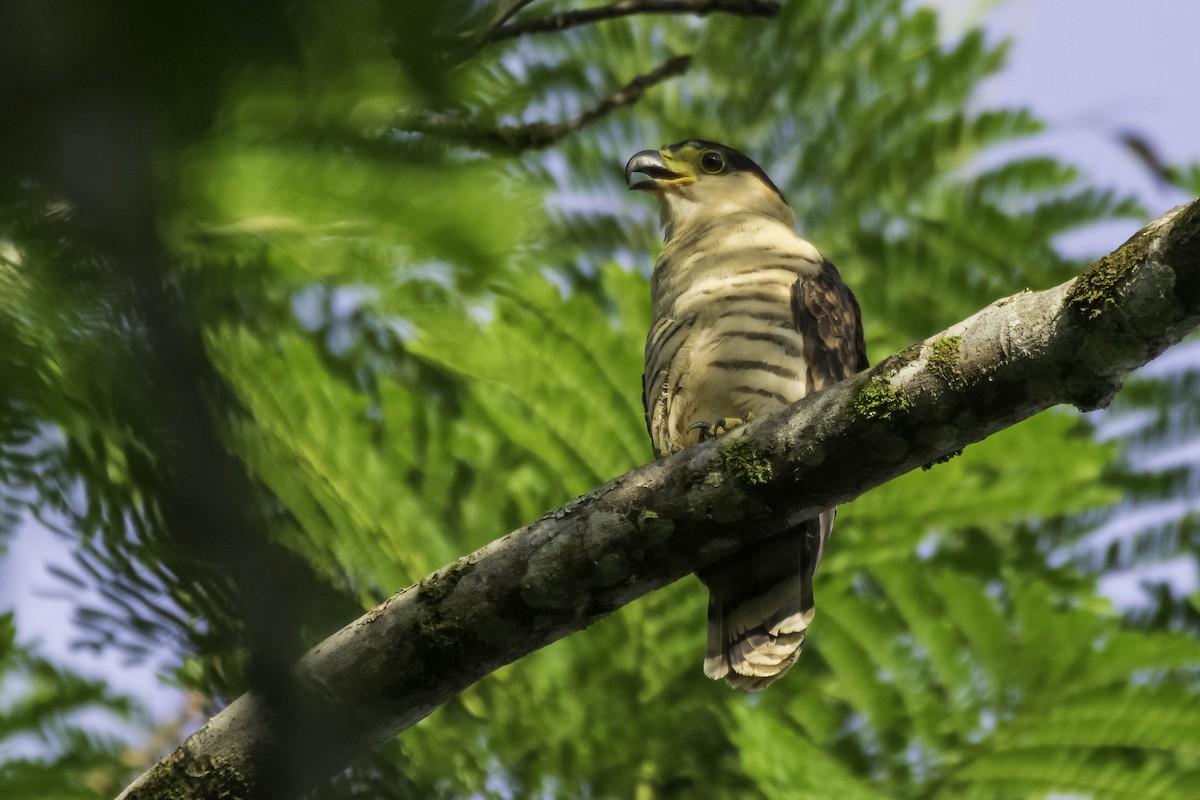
(711, 430)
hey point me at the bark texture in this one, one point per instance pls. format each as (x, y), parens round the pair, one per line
(387, 670)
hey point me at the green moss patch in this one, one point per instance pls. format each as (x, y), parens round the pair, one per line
(941, 460)
(742, 460)
(943, 360)
(181, 776)
(1097, 287)
(435, 588)
(877, 399)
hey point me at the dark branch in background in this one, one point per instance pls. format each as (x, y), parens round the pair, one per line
(513, 139)
(503, 14)
(1149, 156)
(625, 8)
(87, 123)
(389, 669)
(207, 502)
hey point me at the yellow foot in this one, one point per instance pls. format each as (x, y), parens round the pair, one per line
(711, 430)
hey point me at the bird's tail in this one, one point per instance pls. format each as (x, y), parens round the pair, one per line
(760, 605)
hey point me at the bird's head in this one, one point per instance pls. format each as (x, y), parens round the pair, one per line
(696, 181)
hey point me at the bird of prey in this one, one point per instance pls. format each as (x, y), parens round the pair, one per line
(747, 318)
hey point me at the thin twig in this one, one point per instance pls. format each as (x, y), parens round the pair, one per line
(512, 139)
(503, 14)
(625, 8)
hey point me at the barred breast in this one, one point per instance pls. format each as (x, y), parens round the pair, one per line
(724, 340)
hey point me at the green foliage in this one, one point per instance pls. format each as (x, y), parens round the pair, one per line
(46, 750)
(552, 367)
(421, 347)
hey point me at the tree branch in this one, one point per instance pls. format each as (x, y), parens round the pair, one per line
(512, 139)
(625, 8)
(389, 669)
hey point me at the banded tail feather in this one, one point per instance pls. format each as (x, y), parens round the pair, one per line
(760, 606)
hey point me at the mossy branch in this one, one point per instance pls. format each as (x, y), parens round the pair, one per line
(386, 671)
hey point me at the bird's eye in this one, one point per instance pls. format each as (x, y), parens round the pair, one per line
(712, 161)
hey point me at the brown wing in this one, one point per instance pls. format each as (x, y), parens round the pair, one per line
(828, 317)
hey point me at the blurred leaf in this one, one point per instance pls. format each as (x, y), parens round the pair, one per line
(45, 749)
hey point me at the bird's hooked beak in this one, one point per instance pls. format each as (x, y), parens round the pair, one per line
(659, 176)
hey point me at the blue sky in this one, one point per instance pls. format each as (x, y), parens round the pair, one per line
(1091, 69)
